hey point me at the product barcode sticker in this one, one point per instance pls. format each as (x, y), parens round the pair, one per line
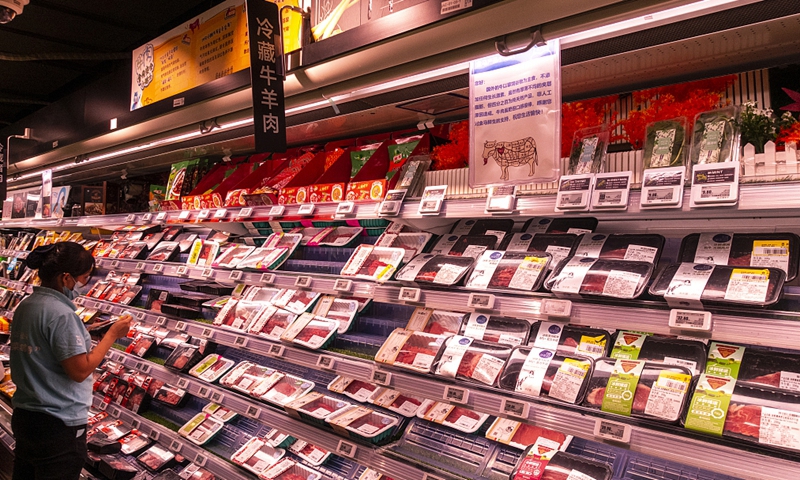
(748, 285)
(614, 431)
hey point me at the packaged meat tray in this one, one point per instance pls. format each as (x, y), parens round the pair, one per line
(489, 226)
(412, 350)
(276, 439)
(265, 258)
(194, 300)
(721, 284)
(660, 391)
(256, 455)
(340, 310)
(363, 423)
(180, 311)
(691, 354)
(522, 435)
(232, 255)
(775, 250)
(436, 269)
(395, 401)
(315, 407)
(116, 467)
(373, 263)
(212, 368)
(213, 288)
(170, 395)
(266, 383)
(164, 252)
(310, 452)
(133, 251)
(246, 376)
(311, 331)
(134, 442)
(540, 372)
(201, 428)
(412, 243)
(577, 225)
(497, 329)
(472, 360)
(330, 236)
(579, 276)
(437, 322)
(636, 247)
(156, 298)
(260, 294)
(192, 285)
(184, 357)
(239, 314)
(561, 466)
(287, 389)
(195, 472)
(223, 414)
(156, 458)
(558, 245)
(272, 323)
(358, 390)
(509, 270)
(295, 301)
(288, 469)
(779, 370)
(140, 345)
(458, 418)
(464, 245)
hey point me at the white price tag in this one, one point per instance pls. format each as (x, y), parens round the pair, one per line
(140, 266)
(276, 350)
(207, 273)
(253, 412)
(180, 326)
(135, 424)
(276, 210)
(240, 341)
(203, 214)
(217, 397)
(303, 282)
(346, 449)
(113, 411)
(345, 208)
(392, 203)
(246, 212)
(146, 368)
(408, 294)
(611, 191)
(115, 264)
(556, 308)
(428, 476)
(203, 392)
(614, 431)
(220, 214)
(147, 218)
(161, 321)
(184, 215)
(515, 408)
(501, 199)
(381, 378)
(161, 217)
(183, 383)
(715, 184)
(154, 435)
(182, 270)
(432, 200)
(343, 285)
(200, 460)
(455, 394)
(690, 320)
(268, 278)
(175, 446)
(662, 188)
(574, 192)
(207, 333)
(158, 268)
(130, 218)
(306, 209)
(139, 315)
(235, 275)
(481, 301)
(326, 362)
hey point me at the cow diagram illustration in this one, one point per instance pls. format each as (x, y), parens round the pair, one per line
(512, 154)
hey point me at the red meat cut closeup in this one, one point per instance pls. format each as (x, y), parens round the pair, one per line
(743, 419)
(595, 397)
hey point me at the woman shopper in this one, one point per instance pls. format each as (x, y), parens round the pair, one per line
(52, 361)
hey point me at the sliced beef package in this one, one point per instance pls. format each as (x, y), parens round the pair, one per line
(497, 329)
(523, 271)
(558, 245)
(561, 466)
(691, 354)
(471, 360)
(470, 226)
(576, 225)
(777, 250)
(437, 322)
(635, 247)
(571, 339)
(412, 350)
(459, 418)
(721, 284)
(541, 372)
(769, 368)
(639, 388)
(520, 435)
(464, 245)
(763, 415)
(579, 276)
(444, 270)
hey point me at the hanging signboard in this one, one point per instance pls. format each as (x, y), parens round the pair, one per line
(47, 192)
(266, 76)
(515, 117)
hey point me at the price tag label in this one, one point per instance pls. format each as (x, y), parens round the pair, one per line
(715, 184)
(240, 341)
(268, 278)
(138, 366)
(113, 411)
(207, 273)
(614, 431)
(217, 397)
(392, 203)
(183, 383)
(690, 320)
(78, 301)
(175, 446)
(276, 350)
(140, 315)
(146, 368)
(408, 294)
(207, 333)
(456, 394)
(253, 412)
(343, 285)
(130, 218)
(147, 217)
(154, 435)
(574, 193)
(200, 460)
(381, 378)
(161, 321)
(115, 264)
(432, 200)
(203, 392)
(246, 212)
(303, 282)
(203, 214)
(182, 270)
(515, 408)
(428, 476)
(326, 362)
(161, 217)
(662, 188)
(140, 266)
(135, 424)
(276, 210)
(345, 209)
(501, 199)
(306, 209)
(346, 449)
(180, 326)
(220, 214)
(480, 301)
(184, 215)
(158, 267)
(556, 308)
(235, 275)
(611, 191)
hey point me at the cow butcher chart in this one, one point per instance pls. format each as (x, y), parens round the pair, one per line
(512, 154)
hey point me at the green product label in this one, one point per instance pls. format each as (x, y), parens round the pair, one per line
(398, 153)
(621, 386)
(358, 159)
(724, 360)
(709, 405)
(628, 345)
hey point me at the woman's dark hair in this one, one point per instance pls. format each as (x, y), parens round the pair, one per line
(59, 258)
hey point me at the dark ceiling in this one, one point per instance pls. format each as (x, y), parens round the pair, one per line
(82, 40)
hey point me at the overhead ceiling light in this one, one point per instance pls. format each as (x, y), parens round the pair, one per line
(9, 9)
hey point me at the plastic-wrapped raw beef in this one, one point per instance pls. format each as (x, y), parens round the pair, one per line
(170, 395)
(571, 339)
(579, 276)
(358, 390)
(412, 350)
(672, 351)
(541, 372)
(156, 458)
(458, 418)
(464, 245)
(435, 269)
(246, 376)
(509, 270)
(272, 323)
(288, 469)
(310, 452)
(636, 247)
(201, 428)
(373, 263)
(195, 472)
(315, 407)
(436, 322)
(363, 423)
(577, 225)
(497, 329)
(562, 466)
(311, 331)
(239, 314)
(287, 389)
(521, 435)
(472, 360)
(212, 368)
(412, 243)
(759, 414)
(257, 456)
(770, 368)
(396, 401)
(558, 245)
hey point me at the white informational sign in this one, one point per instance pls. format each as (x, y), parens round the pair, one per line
(662, 187)
(47, 193)
(574, 192)
(611, 190)
(715, 184)
(515, 117)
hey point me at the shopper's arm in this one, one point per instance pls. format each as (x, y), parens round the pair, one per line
(80, 366)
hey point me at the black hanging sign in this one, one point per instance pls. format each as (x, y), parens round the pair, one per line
(266, 75)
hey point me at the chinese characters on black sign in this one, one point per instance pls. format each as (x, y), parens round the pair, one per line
(266, 75)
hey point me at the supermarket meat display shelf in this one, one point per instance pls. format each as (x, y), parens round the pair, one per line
(633, 315)
(15, 285)
(675, 444)
(754, 199)
(361, 453)
(6, 434)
